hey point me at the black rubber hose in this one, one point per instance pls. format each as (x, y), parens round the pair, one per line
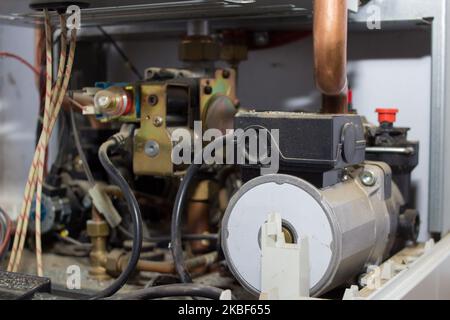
(175, 232)
(135, 212)
(172, 290)
(178, 209)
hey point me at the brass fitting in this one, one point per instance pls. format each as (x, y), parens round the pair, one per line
(112, 263)
(97, 228)
(234, 53)
(199, 48)
(98, 231)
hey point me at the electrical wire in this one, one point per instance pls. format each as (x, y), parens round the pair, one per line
(75, 103)
(76, 137)
(43, 151)
(22, 221)
(122, 54)
(172, 290)
(5, 54)
(179, 205)
(135, 212)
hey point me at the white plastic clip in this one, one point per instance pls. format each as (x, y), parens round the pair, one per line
(225, 295)
(285, 267)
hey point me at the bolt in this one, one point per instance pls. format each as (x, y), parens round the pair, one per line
(368, 178)
(208, 90)
(158, 121)
(153, 100)
(261, 39)
(226, 74)
(151, 148)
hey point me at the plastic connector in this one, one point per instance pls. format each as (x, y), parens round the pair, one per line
(120, 138)
(105, 206)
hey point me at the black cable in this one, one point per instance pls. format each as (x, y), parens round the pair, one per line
(76, 137)
(122, 54)
(172, 290)
(62, 139)
(178, 209)
(135, 212)
(5, 238)
(3, 226)
(179, 205)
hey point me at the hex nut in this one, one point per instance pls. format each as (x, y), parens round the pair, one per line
(97, 228)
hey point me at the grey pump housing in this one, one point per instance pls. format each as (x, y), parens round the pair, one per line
(349, 225)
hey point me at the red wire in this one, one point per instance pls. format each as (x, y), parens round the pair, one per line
(21, 60)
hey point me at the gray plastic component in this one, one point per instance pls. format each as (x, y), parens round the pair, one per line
(357, 223)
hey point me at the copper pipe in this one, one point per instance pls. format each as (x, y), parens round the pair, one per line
(168, 266)
(198, 214)
(330, 53)
(198, 222)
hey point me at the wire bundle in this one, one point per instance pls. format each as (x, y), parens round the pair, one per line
(54, 97)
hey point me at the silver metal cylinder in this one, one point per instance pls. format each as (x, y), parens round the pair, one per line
(198, 28)
(349, 226)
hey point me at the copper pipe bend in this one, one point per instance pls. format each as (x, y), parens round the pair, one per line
(330, 46)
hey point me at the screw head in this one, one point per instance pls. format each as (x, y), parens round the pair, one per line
(368, 178)
(151, 148)
(208, 90)
(226, 74)
(158, 121)
(153, 100)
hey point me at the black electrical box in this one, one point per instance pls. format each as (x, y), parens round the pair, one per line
(309, 145)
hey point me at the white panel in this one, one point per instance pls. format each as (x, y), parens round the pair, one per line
(18, 115)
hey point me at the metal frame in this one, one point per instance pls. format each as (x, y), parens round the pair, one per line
(131, 11)
(435, 13)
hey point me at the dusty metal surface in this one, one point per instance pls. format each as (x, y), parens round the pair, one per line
(56, 268)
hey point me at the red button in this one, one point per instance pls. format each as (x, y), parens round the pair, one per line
(387, 115)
